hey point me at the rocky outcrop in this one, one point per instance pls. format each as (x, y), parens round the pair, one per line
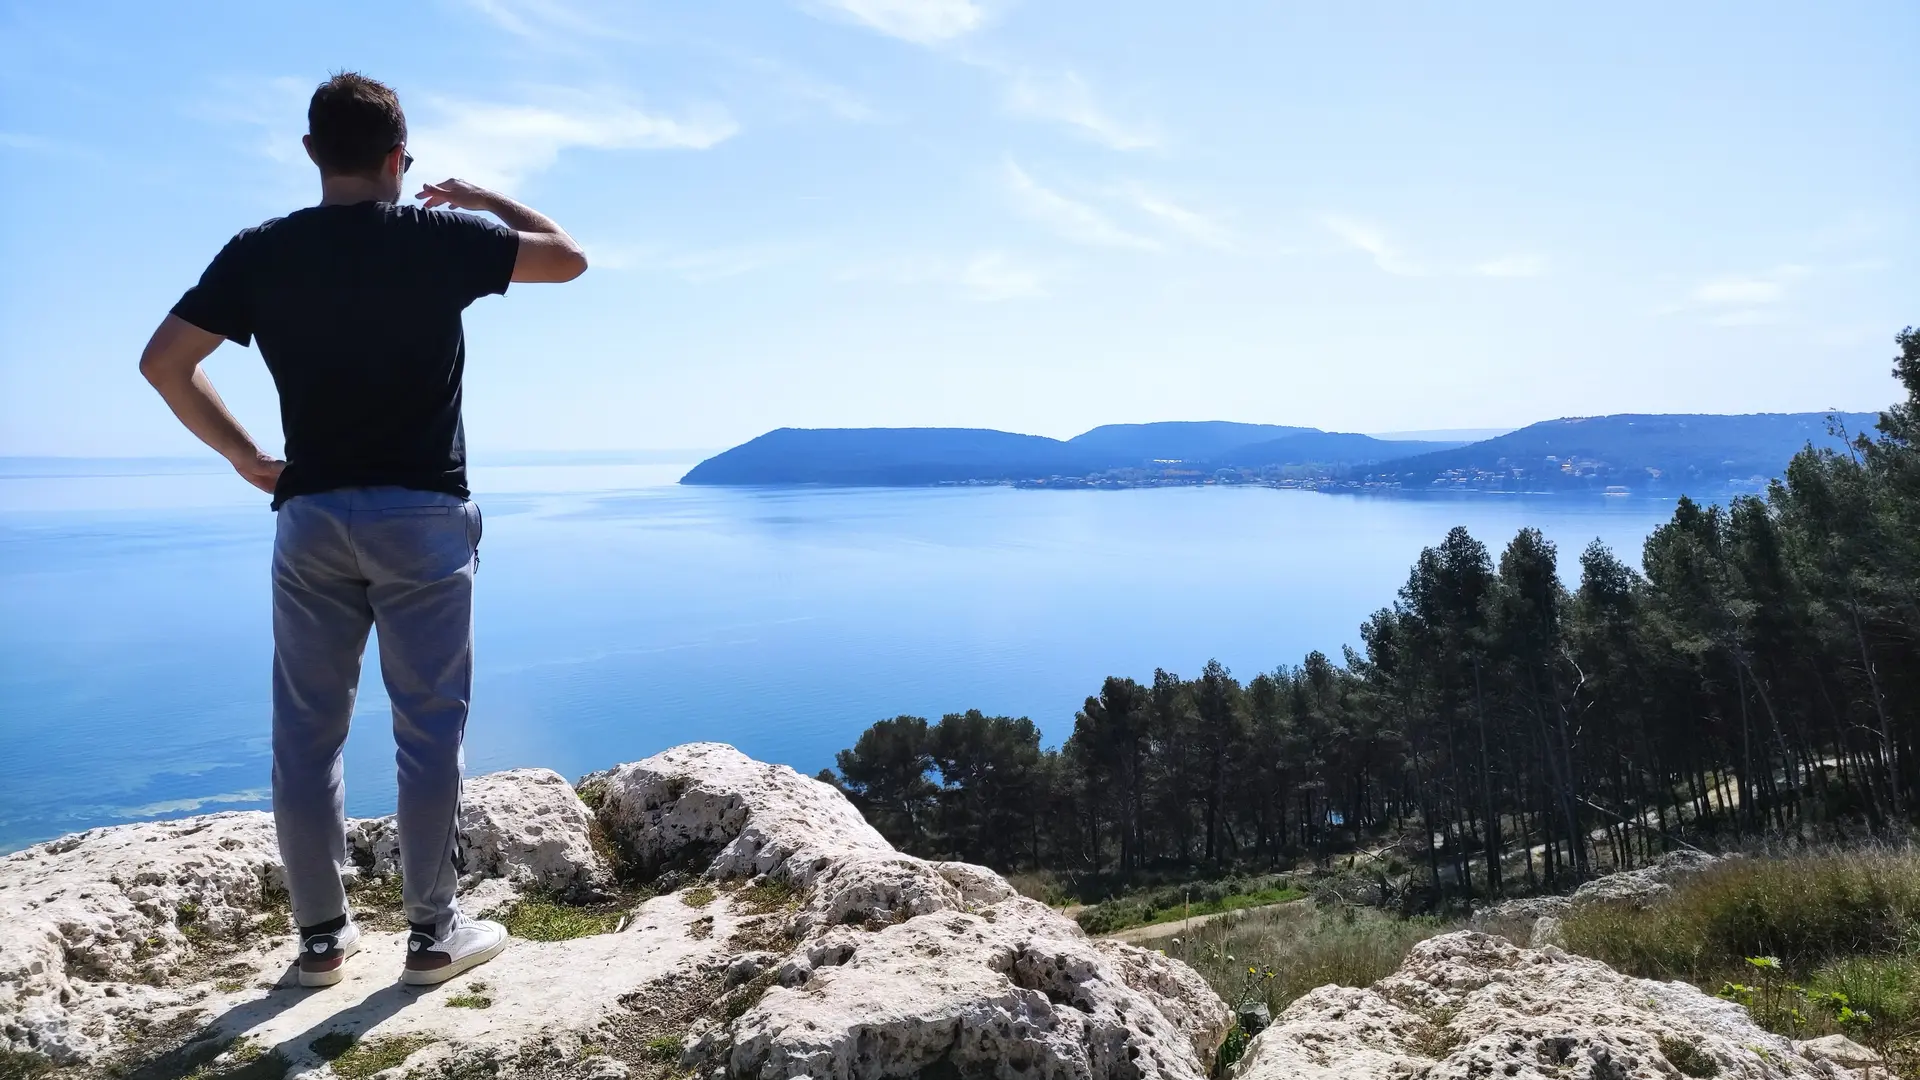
(1470, 1004)
(749, 923)
(1639, 887)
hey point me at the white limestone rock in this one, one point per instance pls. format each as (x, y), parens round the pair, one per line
(120, 922)
(806, 946)
(524, 826)
(905, 964)
(1637, 887)
(1839, 1050)
(1469, 1004)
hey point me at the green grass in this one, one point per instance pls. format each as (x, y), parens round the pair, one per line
(15, 1065)
(1688, 1058)
(354, 1058)
(766, 897)
(1171, 904)
(662, 1048)
(699, 896)
(545, 920)
(470, 1000)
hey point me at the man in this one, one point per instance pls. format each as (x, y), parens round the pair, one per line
(356, 304)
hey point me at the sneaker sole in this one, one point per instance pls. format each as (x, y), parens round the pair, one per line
(312, 979)
(413, 977)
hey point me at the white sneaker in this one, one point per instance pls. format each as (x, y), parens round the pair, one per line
(469, 943)
(323, 957)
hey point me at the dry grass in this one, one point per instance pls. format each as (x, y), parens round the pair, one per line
(1304, 946)
(1846, 923)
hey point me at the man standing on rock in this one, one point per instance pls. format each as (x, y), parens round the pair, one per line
(356, 303)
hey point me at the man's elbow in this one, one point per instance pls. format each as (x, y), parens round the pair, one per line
(153, 368)
(573, 265)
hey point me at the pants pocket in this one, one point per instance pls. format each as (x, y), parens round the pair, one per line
(476, 526)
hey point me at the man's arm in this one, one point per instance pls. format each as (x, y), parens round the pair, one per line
(547, 253)
(171, 363)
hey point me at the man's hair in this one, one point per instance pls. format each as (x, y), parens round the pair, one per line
(354, 121)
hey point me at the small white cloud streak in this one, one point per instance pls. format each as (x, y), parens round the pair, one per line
(987, 276)
(1070, 218)
(1741, 291)
(923, 22)
(1189, 223)
(504, 143)
(1370, 239)
(554, 24)
(1067, 99)
(693, 267)
(1742, 300)
(992, 276)
(802, 86)
(1513, 266)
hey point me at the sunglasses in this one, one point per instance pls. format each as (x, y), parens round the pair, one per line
(406, 161)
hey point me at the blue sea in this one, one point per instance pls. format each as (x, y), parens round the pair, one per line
(619, 613)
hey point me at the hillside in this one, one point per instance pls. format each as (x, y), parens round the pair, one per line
(1703, 454)
(1639, 451)
(1178, 440)
(889, 457)
(1326, 448)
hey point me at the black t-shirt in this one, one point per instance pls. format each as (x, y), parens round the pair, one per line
(357, 308)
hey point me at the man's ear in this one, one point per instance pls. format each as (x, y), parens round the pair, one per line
(395, 159)
(307, 141)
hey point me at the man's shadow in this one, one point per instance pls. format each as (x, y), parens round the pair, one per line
(324, 1041)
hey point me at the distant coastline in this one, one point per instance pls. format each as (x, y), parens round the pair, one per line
(1705, 455)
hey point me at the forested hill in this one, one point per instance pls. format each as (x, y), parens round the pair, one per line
(1180, 440)
(897, 457)
(1702, 454)
(1326, 448)
(1677, 451)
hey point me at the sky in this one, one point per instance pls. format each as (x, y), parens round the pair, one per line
(1034, 215)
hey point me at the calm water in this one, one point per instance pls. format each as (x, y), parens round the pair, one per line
(619, 614)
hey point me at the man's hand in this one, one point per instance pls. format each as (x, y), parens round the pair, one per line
(547, 253)
(171, 363)
(457, 193)
(260, 469)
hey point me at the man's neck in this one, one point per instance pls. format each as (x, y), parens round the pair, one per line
(346, 190)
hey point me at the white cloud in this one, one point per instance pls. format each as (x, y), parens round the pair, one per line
(798, 85)
(1370, 239)
(491, 143)
(993, 276)
(923, 22)
(1743, 299)
(698, 267)
(1190, 223)
(1741, 291)
(552, 23)
(987, 276)
(1070, 218)
(1069, 100)
(1512, 266)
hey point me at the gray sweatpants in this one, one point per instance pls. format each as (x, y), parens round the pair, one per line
(344, 561)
